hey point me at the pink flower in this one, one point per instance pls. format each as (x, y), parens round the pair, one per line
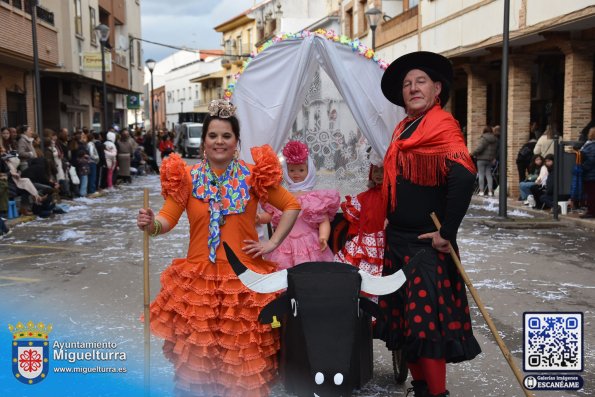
(295, 152)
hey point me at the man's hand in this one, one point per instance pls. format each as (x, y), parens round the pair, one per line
(438, 243)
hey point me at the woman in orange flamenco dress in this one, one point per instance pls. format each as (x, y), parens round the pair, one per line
(208, 318)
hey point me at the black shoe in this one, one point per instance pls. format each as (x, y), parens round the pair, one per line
(587, 216)
(419, 389)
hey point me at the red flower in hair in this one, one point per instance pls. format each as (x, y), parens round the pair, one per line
(295, 152)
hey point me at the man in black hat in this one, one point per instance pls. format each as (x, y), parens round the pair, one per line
(427, 168)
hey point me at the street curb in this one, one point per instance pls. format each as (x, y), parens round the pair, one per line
(29, 218)
(543, 219)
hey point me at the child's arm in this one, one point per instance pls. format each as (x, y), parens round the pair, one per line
(263, 217)
(324, 232)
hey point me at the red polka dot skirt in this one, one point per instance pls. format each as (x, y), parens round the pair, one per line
(429, 315)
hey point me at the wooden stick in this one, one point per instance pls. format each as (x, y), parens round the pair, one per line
(147, 300)
(485, 314)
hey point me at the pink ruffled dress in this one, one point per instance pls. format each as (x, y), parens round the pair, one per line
(301, 245)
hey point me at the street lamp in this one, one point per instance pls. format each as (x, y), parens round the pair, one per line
(38, 116)
(102, 32)
(150, 63)
(374, 15)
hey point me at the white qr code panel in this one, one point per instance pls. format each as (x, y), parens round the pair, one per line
(553, 342)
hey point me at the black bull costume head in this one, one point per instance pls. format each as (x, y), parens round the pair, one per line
(326, 341)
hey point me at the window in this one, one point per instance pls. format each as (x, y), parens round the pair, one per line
(239, 41)
(362, 23)
(92, 24)
(249, 41)
(139, 54)
(183, 94)
(78, 18)
(349, 23)
(131, 46)
(196, 92)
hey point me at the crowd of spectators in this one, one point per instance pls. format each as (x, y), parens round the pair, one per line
(69, 164)
(535, 163)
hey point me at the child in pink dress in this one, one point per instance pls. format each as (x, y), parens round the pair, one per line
(366, 216)
(308, 240)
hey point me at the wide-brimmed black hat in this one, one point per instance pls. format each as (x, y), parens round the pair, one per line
(435, 65)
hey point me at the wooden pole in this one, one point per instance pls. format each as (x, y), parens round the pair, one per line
(147, 300)
(485, 314)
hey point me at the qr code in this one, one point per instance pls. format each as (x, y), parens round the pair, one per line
(553, 342)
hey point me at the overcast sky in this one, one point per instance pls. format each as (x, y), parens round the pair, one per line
(185, 23)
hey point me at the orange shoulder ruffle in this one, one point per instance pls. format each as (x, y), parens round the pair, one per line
(266, 172)
(174, 182)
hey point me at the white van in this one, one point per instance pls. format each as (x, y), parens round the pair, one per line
(189, 139)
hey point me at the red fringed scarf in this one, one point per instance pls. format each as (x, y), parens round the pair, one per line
(422, 158)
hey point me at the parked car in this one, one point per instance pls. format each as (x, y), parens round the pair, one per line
(189, 140)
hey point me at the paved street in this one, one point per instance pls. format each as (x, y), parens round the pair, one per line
(82, 271)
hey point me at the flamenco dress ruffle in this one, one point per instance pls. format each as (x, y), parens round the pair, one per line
(209, 320)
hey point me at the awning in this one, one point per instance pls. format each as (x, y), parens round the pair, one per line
(220, 74)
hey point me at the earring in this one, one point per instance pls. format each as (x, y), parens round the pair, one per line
(437, 100)
(236, 154)
(204, 154)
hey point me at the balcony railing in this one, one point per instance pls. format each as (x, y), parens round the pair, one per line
(25, 5)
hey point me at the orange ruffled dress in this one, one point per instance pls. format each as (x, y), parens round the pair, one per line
(208, 318)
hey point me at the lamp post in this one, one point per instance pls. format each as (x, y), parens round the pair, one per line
(150, 63)
(374, 15)
(102, 32)
(38, 116)
(503, 204)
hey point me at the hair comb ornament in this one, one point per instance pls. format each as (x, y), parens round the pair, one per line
(221, 108)
(295, 152)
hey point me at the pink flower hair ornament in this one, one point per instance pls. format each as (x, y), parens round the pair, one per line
(295, 152)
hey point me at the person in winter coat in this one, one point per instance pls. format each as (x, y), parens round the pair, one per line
(101, 165)
(25, 147)
(525, 154)
(93, 162)
(126, 146)
(111, 157)
(545, 143)
(543, 190)
(485, 153)
(588, 164)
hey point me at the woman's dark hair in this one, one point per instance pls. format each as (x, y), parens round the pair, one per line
(487, 129)
(235, 125)
(549, 157)
(532, 166)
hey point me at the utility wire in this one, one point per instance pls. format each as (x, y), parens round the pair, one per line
(193, 50)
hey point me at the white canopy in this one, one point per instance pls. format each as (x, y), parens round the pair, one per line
(269, 93)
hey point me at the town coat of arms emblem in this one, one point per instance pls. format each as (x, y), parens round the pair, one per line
(30, 351)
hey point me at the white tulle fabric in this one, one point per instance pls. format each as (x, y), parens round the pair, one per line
(273, 87)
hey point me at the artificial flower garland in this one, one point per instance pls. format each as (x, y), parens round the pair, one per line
(356, 46)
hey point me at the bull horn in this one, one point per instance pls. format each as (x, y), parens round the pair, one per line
(263, 283)
(374, 285)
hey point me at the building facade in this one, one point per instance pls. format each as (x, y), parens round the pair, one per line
(17, 97)
(71, 88)
(551, 60)
(76, 85)
(176, 91)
